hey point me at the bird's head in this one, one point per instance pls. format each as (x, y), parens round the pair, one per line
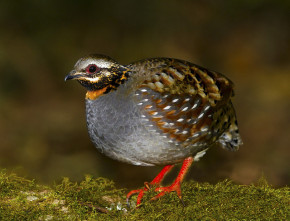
(99, 74)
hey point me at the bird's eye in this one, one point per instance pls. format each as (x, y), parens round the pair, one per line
(92, 68)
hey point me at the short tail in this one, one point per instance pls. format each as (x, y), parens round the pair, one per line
(231, 139)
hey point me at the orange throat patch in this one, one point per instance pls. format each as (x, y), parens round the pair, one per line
(92, 95)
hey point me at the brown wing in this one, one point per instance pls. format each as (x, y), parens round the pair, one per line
(182, 99)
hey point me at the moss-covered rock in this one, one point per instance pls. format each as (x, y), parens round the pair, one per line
(98, 199)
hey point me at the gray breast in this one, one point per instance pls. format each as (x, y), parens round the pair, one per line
(120, 130)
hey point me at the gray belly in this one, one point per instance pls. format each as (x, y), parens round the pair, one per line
(120, 130)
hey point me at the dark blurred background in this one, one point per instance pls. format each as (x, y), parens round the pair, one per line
(43, 132)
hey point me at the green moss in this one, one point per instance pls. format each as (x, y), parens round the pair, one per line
(98, 199)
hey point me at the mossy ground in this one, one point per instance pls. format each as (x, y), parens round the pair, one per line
(98, 199)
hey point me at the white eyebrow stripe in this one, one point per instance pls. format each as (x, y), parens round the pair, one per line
(101, 63)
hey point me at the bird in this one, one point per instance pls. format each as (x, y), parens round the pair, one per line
(156, 112)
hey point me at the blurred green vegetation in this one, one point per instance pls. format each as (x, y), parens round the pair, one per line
(98, 199)
(42, 121)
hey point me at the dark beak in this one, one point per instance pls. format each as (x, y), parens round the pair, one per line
(72, 75)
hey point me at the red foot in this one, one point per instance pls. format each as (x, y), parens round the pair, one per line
(167, 189)
(175, 186)
(155, 182)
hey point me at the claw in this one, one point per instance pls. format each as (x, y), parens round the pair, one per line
(133, 192)
(174, 187)
(146, 184)
(181, 200)
(155, 182)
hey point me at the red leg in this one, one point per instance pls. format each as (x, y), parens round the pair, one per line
(176, 185)
(156, 181)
